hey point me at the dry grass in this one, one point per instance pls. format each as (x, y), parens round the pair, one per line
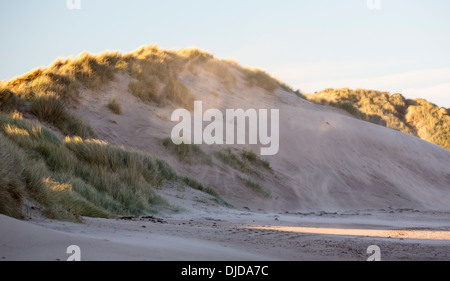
(152, 67)
(178, 93)
(46, 95)
(76, 177)
(246, 162)
(253, 158)
(233, 160)
(415, 117)
(8, 99)
(155, 72)
(115, 107)
(430, 122)
(12, 186)
(81, 176)
(189, 153)
(198, 186)
(92, 71)
(350, 108)
(257, 77)
(50, 108)
(256, 187)
(214, 93)
(147, 89)
(195, 57)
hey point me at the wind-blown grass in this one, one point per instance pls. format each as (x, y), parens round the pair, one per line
(189, 153)
(115, 107)
(233, 160)
(257, 77)
(48, 95)
(12, 186)
(255, 186)
(255, 159)
(415, 117)
(75, 177)
(246, 162)
(155, 74)
(198, 186)
(79, 175)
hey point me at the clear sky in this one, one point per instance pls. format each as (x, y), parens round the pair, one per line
(311, 45)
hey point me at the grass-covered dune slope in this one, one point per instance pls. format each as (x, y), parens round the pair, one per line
(416, 117)
(74, 177)
(51, 159)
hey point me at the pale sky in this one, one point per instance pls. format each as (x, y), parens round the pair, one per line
(311, 45)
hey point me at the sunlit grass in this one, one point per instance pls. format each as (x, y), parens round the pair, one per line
(75, 177)
(415, 117)
(80, 175)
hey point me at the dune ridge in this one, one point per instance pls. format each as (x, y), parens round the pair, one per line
(328, 160)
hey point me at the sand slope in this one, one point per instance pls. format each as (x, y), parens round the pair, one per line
(327, 160)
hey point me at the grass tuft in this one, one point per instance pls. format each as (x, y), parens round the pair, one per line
(233, 160)
(350, 108)
(198, 186)
(12, 186)
(115, 107)
(415, 117)
(255, 159)
(189, 153)
(256, 187)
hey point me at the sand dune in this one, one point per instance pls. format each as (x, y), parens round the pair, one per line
(337, 185)
(327, 160)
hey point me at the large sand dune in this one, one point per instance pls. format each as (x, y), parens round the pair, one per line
(327, 159)
(337, 185)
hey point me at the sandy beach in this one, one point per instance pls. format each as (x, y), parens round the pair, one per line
(222, 234)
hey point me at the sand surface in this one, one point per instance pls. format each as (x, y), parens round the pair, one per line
(203, 231)
(232, 235)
